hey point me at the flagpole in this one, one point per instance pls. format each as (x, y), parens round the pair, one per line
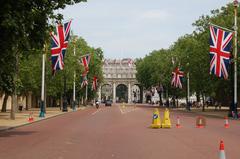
(42, 106)
(86, 94)
(188, 85)
(74, 77)
(235, 58)
(188, 90)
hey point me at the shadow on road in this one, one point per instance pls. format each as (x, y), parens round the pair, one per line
(13, 133)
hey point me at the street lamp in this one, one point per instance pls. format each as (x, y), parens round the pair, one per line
(74, 77)
(235, 3)
(42, 106)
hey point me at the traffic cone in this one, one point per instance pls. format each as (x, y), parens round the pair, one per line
(200, 122)
(222, 152)
(166, 119)
(178, 123)
(30, 117)
(156, 121)
(226, 125)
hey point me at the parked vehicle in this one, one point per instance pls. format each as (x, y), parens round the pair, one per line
(108, 102)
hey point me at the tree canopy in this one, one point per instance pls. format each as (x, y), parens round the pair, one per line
(24, 28)
(191, 53)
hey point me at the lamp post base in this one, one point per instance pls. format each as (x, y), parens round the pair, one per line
(42, 110)
(74, 106)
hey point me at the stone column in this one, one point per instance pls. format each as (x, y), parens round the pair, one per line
(114, 92)
(129, 92)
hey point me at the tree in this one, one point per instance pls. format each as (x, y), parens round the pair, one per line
(191, 52)
(24, 26)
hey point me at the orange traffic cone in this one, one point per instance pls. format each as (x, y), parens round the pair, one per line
(222, 152)
(226, 125)
(200, 122)
(30, 117)
(178, 123)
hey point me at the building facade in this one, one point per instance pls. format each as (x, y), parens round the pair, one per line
(120, 84)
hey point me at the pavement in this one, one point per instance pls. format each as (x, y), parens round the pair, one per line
(209, 111)
(21, 117)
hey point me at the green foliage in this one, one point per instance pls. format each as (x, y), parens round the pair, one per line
(24, 28)
(191, 52)
(30, 73)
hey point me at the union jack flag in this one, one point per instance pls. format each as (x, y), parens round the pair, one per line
(94, 84)
(177, 76)
(84, 80)
(130, 62)
(220, 46)
(85, 61)
(59, 43)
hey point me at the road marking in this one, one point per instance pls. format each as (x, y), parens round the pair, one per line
(120, 110)
(126, 110)
(96, 111)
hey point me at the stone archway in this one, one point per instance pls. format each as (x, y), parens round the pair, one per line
(106, 92)
(122, 93)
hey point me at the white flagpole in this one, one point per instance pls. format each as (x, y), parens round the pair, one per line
(188, 89)
(86, 94)
(235, 57)
(42, 107)
(74, 83)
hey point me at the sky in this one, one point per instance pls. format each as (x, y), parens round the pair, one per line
(134, 28)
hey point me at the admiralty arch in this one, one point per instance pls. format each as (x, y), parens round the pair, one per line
(120, 84)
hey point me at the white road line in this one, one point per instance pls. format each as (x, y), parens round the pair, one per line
(120, 110)
(126, 110)
(96, 111)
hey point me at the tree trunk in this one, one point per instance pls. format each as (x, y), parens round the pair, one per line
(198, 97)
(177, 103)
(61, 103)
(203, 107)
(26, 95)
(14, 106)
(160, 99)
(174, 102)
(14, 99)
(4, 104)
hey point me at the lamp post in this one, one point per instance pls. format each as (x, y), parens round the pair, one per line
(235, 3)
(188, 86)
(74, 77)
(42, 106)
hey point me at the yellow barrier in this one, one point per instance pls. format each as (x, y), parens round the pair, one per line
(156, 121)
(166, 119)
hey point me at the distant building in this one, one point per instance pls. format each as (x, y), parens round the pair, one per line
(120, 84)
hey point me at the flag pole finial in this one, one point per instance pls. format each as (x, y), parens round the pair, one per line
(235, 3)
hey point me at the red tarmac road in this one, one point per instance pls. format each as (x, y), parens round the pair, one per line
(121, 133)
